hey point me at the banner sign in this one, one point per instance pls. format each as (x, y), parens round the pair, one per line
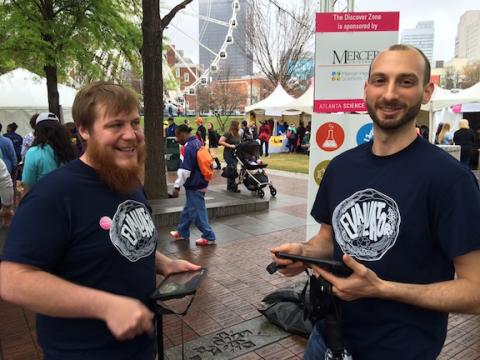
(345, 45)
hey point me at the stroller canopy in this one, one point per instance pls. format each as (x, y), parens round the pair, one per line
(248, 147)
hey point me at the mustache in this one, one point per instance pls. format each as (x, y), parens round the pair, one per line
(391, 103)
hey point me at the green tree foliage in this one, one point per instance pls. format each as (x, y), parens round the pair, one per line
(86, 38)
(471, 75)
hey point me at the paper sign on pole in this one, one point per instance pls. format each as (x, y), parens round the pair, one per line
(345, 45)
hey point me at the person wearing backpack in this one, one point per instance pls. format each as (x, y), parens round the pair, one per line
(193, 175)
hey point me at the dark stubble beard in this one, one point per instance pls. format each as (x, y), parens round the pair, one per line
(121, 179)
(390, 124)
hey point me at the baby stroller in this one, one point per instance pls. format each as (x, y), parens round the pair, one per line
(252, 170)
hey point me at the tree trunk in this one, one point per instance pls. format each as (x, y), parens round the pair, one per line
(51, 67)
(52, 90)
(155, 176)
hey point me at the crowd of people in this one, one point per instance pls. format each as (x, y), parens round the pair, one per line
(406, 227)
(466, 138)
(25, 160)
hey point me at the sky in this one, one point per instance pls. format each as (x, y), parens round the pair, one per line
(445, 13)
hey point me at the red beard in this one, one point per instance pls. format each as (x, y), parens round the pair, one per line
(121, 179)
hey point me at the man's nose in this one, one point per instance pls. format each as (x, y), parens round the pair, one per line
(391, 91)
(129, 132)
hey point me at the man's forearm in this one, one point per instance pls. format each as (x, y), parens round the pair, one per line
(50, 295)
(321, 245)
(161, 263)
(460, 295)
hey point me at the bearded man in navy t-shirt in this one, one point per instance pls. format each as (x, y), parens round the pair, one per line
(81, 250)
(403, 215)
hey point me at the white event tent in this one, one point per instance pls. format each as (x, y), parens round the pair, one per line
(443, 99)
(25, 93)
(272, 104)
(303, 103)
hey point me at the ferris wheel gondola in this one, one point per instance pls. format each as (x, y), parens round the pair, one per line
(219, 55)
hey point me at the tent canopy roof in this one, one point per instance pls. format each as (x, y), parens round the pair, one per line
(442, 98)
(22, 89)
(303, 103)
(274, 101)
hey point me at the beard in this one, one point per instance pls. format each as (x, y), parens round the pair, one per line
(124, 179)
(394, 124)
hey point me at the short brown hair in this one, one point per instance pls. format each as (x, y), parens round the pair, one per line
(404, 47)
(115, 99)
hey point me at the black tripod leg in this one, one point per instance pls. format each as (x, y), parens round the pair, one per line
(160, 355)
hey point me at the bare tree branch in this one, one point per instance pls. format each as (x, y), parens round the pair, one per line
(169, 17)
(279, 40)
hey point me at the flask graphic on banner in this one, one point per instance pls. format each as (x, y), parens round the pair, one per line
(330, 142)
(330, 136)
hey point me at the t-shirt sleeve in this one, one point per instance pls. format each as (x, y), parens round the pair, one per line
(227, 135)
(38, 234)
(456, 218)
(321, 211)
(189, 157)
(28, 173)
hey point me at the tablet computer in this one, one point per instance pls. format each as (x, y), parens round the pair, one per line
(179, 285)
(337, 268)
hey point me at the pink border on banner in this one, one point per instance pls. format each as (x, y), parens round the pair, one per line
(343, 105)
(357, 21)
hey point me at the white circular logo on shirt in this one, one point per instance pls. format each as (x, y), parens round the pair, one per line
(366, 224)
(132, 231)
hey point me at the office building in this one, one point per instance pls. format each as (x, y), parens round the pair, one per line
(212, 35)
(421, 37)
(467, 42)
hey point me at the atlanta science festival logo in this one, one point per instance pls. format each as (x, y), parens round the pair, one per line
(366, 224)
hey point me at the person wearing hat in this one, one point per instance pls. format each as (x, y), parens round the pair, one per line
(51, 148)
(16, 139)
(201, 133)
(8, 152)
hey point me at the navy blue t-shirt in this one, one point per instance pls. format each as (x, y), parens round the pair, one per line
(62, 227)
(405, 216)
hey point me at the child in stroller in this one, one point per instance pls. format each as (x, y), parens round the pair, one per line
(252, 170)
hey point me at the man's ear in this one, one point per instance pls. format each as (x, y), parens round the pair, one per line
(84, 133)
(428, 92)
(365, 90)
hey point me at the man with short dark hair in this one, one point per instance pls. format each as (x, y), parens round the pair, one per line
(170, 130)
(403, 215)
(16, 140)
(81, 250)
(7, 151)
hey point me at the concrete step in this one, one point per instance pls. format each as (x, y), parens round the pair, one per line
(219, 202)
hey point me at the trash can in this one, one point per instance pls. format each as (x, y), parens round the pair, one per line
(172, 154)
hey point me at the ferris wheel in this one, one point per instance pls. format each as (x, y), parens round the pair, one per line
(206, 19)
(337, 5)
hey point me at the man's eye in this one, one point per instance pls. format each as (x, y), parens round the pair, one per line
(378, 81)
(135, 124)
(407, 83)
